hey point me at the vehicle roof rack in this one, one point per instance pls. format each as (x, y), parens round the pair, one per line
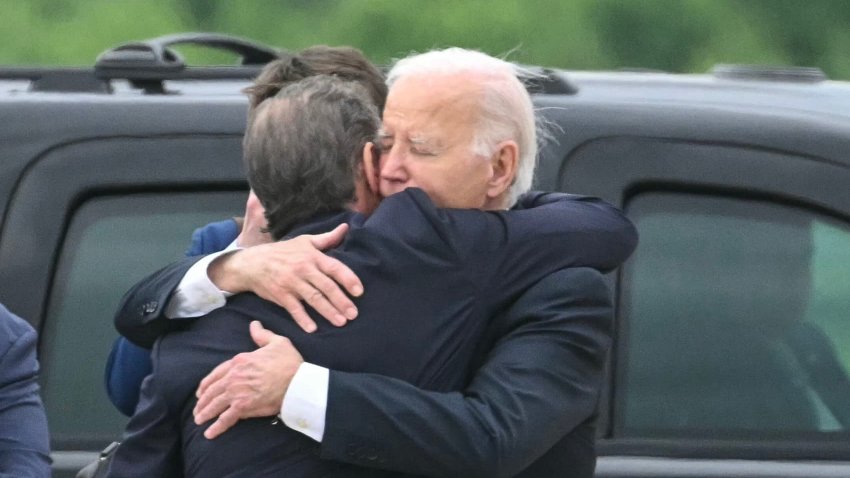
(791, 74)
(147, 64)
(66, 80)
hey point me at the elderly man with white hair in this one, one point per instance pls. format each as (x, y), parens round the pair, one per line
(459, 125)
(441, 103)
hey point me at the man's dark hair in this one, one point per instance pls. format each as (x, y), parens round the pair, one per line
(303, 149)
(342, 62)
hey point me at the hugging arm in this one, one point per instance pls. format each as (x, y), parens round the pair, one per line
(601, 237)
(141, 314)
(535, 392)
(518, 248)
(285, 272)
(549, 231)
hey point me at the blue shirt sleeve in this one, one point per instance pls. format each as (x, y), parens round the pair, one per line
(127, 366)
(24, 444)
(213, 237)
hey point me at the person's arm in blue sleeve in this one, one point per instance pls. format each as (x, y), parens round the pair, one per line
(213, 237)
(24, 442)
(127, 366)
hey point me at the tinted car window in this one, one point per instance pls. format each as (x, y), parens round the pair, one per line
(736, 313)
(112, 242)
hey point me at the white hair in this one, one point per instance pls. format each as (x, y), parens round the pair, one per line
(505, 106)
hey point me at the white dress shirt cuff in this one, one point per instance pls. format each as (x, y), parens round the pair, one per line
(304, 405)
(196, 295)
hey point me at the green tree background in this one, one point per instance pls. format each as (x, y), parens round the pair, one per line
(671, 35)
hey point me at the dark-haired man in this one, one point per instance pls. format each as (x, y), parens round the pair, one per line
(128, 364)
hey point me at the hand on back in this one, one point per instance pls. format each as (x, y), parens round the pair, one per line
(291, 273)
(251, 384)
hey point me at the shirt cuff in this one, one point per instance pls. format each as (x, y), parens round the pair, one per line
(196, 295)
(304, 405)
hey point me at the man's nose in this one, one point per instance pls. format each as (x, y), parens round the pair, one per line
(393, 164)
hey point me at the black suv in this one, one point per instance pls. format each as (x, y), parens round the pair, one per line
(732, 349)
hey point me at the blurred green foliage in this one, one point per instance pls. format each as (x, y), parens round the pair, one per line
(672, 35)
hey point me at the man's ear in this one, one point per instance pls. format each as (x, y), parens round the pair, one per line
(370, 166)
(504, 163)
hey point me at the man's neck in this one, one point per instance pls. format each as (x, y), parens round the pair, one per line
(319, 223)
(499, 203)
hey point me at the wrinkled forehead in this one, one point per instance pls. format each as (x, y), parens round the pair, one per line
(423, 104)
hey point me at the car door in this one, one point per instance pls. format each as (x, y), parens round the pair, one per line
(732, 351)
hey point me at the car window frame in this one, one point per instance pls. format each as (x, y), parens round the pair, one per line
(632, 165)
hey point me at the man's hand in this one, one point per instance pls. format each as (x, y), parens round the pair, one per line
(249, 385)
(288, 272)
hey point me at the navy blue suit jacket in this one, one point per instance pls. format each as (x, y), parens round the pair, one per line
(24, 444)
(529, 410)
(434, 279)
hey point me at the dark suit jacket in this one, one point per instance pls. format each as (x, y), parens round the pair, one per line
(435, 276)
(529, 411)
(24, 445)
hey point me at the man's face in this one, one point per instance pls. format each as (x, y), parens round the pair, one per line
(426, 141)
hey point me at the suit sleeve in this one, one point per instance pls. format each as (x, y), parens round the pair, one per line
(550, 230)
(540, 380)
(506, 251)
(24, 444)
(141, 313)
